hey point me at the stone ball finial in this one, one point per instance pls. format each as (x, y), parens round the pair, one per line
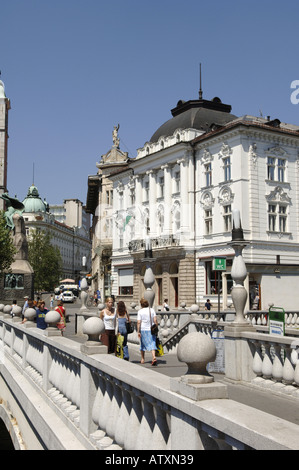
(197, 350)
(194, 308)
(7, 309)
(30, 313)
(93, 327)
(16, 311)
(52, 318)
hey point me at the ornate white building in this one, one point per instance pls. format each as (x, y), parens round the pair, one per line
(181, 189)
(73, 242)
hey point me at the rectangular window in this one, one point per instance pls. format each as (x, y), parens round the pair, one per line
(125, 281)
(177, 181)
(208, 174)
(281, 170)
(227, 218)
(272, 217)
(282, 214)
(161, 184)
(271, 168)
(208, 221)
(146, 189)
(227, 168)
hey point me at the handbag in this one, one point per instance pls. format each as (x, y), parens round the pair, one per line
(154, 327)
(130, 327)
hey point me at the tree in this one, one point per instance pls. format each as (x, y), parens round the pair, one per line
(45, 260)
(7, 249)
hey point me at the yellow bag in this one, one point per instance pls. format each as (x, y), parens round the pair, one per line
(119, 347)
(159, 348)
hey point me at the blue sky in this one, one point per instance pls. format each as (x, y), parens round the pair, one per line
(73, 69)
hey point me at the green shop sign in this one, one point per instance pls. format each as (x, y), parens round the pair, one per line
(219, 264)
(276, 321)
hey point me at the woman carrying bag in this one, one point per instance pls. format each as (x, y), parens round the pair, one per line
(122, 319)
(146, 319)
(108, 315)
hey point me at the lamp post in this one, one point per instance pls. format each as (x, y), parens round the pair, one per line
(149, 277)
(238, 272)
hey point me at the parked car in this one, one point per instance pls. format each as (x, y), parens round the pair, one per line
(67, 296)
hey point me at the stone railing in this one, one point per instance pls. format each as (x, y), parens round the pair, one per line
(107, 403)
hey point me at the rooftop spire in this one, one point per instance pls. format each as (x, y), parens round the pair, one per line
(200, 89)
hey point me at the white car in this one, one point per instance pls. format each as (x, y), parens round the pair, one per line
(67, 296)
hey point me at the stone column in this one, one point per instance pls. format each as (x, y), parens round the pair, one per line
(138, 207)
(167, 199)
(184, 175)
(152, 202)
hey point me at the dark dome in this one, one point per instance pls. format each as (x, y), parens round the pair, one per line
(196, 114)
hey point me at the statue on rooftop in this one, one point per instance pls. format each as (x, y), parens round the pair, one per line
(13, 206)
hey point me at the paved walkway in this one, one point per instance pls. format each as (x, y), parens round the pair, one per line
(280, 406)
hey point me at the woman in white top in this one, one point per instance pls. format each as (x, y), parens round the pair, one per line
(108, 315)
(145, 318)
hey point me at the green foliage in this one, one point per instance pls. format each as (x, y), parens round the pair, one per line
(45, 260)
(7, 249)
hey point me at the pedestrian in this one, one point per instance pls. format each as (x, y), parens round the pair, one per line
(165, 305)
(122, 318)
(26, 298)
(61, 310)
(108, 315)
(145, 318)
(51, 302)
(41, 312)
(30, 305)
(208, 305)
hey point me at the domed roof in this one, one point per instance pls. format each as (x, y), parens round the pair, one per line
(195, 114)
(33, 202)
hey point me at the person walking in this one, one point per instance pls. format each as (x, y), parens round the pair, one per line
(108, 315)
(61, 310)
(41, 312)
(146, 317)
(122, 318)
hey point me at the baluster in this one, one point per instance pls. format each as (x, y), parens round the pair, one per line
(124, 414)
(114, 408)
(161, 431)
(257, 359)
(146, 426)
(277, 368)
(296, 372)
(288, 368)
(103, 412)
(134, 420)
(267, 362)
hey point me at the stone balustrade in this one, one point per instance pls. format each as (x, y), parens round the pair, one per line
(109, 404)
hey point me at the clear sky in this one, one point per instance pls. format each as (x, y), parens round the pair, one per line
(73, 69)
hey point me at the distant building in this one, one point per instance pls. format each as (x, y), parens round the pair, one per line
(73, 241)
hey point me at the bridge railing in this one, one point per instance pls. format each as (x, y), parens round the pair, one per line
(112, 404)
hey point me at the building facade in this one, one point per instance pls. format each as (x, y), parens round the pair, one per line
(73, 242)
(181, 189)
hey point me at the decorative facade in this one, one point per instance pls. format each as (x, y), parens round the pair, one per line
(73, 242)
(181, 189)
